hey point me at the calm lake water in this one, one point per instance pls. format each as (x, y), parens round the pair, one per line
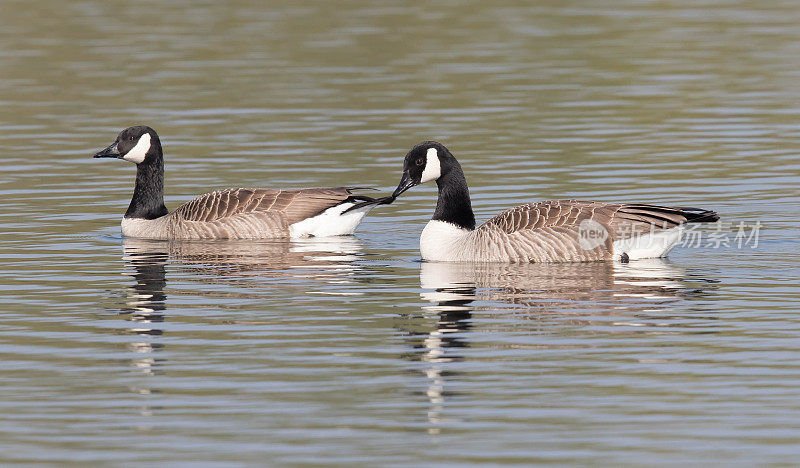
(351, 350)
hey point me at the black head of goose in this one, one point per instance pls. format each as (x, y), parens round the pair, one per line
(547, 231)
(236, 213)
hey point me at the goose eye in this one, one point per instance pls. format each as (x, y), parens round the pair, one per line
(420, 162)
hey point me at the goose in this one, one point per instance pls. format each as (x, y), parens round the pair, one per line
(235, 213)
(546, 231)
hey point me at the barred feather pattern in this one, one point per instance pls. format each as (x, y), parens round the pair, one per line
(550, 231)
(239, 213)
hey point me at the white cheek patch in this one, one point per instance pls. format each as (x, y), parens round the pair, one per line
(432, 167)
(138, 152)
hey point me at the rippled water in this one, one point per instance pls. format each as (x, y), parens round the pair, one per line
(350, 350)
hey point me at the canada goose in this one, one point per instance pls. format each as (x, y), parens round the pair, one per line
(547, 231)
(236, 213)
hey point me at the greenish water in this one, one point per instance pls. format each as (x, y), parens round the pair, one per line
(351, 350)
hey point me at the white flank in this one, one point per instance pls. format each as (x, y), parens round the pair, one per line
(439, 241)
(330, 222)
(138, 152)
(432, 167)
(652, 245)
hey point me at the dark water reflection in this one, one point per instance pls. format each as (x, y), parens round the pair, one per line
(325, 260)
(585, 294)
(437, 336)
(144, 305)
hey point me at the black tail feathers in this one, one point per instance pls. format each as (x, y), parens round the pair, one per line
(698, 215)
(364, 200)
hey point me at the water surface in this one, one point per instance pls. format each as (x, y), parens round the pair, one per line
(351, 350)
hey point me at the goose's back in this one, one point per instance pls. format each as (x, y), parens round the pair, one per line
(566, 230)
(250, 213)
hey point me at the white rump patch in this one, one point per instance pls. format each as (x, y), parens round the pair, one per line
(330, 222)
(138, 152)
(432, 167)
(652, 245)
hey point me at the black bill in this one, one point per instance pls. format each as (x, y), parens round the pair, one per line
(405, 183)
(110, 152)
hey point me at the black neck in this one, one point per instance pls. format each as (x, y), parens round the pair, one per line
(148, 196)
(454, 205)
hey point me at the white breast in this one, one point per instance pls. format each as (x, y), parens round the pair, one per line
(442, 241)
(145, 228)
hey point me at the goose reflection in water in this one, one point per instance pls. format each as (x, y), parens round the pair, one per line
(145, 304)
(311, 258)
(437, 345)
(327, 260)
(571, 291)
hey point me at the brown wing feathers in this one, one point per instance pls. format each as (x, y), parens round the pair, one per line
(570, 213)
(295, 205)
(551, 230)
(551, 213)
